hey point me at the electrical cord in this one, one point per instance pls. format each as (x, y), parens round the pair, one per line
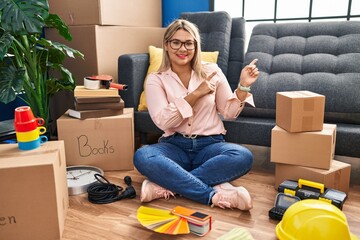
(104, 192)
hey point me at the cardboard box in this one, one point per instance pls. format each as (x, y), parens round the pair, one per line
(337, 177)
(107, 142)
(310, 149)
(102, 46)
(300, 111)
(34, 194)
(142, 13)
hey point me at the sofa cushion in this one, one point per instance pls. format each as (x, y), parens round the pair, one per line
(257, 131)
(319, 57)
(215, 32)
(155, 55)
(237, 51)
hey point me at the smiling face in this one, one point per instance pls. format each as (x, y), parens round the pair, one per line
(182, 56)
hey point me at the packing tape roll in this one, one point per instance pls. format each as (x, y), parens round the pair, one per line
(91, 84)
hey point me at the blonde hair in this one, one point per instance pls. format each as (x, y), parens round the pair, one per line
(193, 30)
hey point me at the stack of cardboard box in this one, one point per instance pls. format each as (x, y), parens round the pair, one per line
(102, 30)
(302, 146)
(105, 29)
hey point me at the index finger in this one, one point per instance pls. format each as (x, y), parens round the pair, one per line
(253, 62)
(211, 76)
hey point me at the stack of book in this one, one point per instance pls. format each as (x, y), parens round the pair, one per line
(90, 103)
(179, 220)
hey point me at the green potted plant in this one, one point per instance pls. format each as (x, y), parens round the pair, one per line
(29, 63)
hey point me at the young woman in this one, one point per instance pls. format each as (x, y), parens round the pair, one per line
(184, 99)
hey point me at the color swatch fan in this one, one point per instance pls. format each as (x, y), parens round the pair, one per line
(162, 221)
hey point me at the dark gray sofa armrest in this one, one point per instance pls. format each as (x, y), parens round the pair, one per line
(132, 69)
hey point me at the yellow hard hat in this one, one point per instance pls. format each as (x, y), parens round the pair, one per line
(313, 219)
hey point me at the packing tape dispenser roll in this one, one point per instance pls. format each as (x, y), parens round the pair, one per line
(102, 80)
(91, 84)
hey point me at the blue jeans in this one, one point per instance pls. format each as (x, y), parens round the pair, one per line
(190, 167)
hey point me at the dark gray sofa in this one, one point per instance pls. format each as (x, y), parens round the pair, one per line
(319, 57)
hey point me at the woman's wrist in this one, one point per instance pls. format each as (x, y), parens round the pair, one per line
(241, 95)
(244, 88)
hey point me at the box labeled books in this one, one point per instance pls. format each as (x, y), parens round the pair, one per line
(105, 142)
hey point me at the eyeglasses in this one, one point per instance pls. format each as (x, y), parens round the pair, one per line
(177, 44)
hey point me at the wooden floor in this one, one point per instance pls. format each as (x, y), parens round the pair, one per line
(118, 220)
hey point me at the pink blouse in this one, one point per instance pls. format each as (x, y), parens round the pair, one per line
(172, 113)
